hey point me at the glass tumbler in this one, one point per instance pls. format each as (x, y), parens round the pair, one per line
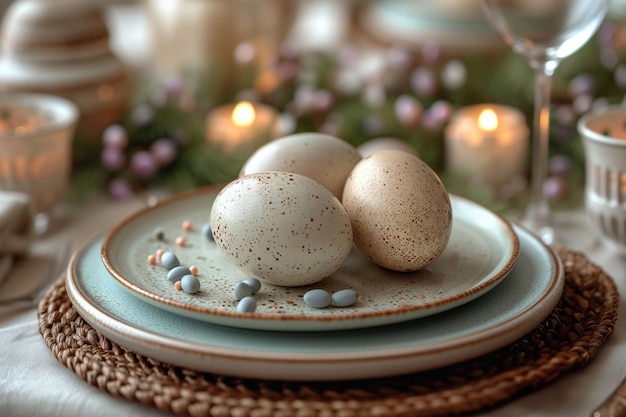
(36, 132)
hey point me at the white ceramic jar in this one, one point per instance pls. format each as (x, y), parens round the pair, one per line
(62, 48)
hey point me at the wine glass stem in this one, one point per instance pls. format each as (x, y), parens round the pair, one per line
(537, 216)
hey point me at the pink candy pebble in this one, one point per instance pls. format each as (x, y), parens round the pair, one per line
(178, 285)
(193, 269)
(159, 253)
(186, 225)
(152, 260)
(180, 241)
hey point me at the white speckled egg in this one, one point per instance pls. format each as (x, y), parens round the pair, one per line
(324, 158)
(284, 228)
(400, 211)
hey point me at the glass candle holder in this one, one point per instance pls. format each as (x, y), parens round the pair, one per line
(36, 132)
(489, 143)
(241, 127)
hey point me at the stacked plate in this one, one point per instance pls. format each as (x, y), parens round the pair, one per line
(493, 284)
(457, 25)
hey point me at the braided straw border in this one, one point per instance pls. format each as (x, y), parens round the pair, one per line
(568, 339)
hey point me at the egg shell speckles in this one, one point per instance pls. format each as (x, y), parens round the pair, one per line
(400, 211)
(324, 158)
(283, 228)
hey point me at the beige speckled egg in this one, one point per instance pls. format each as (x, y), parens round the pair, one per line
(284, 228)
(324, 158)
(400, 211)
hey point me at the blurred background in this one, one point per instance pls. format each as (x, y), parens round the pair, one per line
(148, 73)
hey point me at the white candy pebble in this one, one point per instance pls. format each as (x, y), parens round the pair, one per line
(246, 305)
(344, 298)
(317, 298)
(169, 260)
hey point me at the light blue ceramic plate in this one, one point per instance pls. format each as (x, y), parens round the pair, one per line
(480, 253)
(508, 312)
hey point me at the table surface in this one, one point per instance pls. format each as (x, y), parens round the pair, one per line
(34, 383)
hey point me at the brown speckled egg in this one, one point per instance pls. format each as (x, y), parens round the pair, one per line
(285, 229)
(400, 211)
(324, 158)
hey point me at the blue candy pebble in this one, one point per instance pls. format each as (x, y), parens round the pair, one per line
(317, 298)
(159, 234)
(246, 305)
(177, 273)
(242, 290)
(169, 260)
(190, 284)
(207, 231)
(253, 283)
(344, 298)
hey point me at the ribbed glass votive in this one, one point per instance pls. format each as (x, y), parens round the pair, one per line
(36, 132)
(603, 132)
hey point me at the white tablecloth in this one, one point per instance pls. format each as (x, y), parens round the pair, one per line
(33, 383)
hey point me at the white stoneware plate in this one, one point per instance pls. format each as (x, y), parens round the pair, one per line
(511, 310)
(482, 250)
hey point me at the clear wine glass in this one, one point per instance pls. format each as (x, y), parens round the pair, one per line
(544, 32)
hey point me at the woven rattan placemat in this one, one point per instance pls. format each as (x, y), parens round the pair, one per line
(569, 338)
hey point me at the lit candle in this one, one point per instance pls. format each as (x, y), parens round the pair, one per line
(17, 121)
(489, 142)
(242, 126)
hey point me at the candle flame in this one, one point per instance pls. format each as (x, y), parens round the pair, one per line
(488, 120)
(243, 114)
